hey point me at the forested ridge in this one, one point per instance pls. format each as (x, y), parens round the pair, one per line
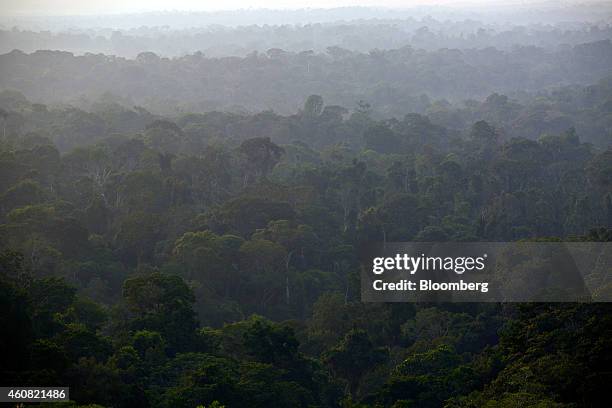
(211, 258)
(158, 34)
(394, 81)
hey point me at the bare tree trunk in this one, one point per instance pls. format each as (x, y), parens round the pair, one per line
(288, 261)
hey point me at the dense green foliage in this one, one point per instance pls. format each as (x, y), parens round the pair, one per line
(211, 259)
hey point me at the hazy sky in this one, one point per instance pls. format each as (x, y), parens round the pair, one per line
(66, 7)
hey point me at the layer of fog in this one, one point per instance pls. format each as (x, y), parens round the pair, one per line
(238, 33)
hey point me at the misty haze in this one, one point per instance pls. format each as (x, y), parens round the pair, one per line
(187, 189)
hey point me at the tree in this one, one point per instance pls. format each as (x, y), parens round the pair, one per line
(164, 136)
(137, 236)
(329, 321)
(296, 240)
(354, 356)
(162, 303)
(313, 106)
(382, 139)
(260, 157)
(482, 132)
(265, 262)
(4, 116)
(271, 343)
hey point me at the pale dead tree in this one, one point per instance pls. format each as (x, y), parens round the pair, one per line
(118, 200)
(99, 174)
(346, 202)
(287, 263)
(4, 115)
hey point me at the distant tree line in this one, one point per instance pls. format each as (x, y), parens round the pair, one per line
(351, 35)
(393, 81)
